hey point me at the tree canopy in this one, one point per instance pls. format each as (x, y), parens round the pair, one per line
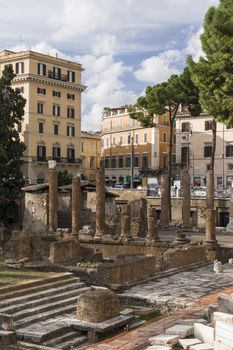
(11, 147)
(213, 74)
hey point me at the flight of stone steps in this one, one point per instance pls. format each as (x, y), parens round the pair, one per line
(35, 312)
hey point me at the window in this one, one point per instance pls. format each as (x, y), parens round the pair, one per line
(229, 151)
(207, 151)
(173, 158)
(113, 163)
(136, 138)
(129, 139)
(185, 155)
(185, 127)
(230, 166)
(41, 91)
(56, 153)
(71, 76)
(40, 108)
(70, 112)
(41, 69)
(144, 161)
(108, 125)
(165, 137)
(41, 153)
(208, 124)
(230, 126)
(120, 162)
(56, 110)
(70, 130)
(145, 137)
(56, 94)
(107, 142)
(121, 140)
(19, 68)
(82, 147)
(128, 161)
(92, 162)
(41, 127)
(56, 73)
(106, 163)
(121, 124)
(20, 89)
(71, 154)
(164, 119)
(136, 161)
(114, 141)
(114, 124)
(55, 129)
(207, 166)
(70, 96)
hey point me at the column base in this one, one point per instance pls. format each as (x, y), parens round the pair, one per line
(211, 243)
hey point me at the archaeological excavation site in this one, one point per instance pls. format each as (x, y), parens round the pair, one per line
(96, 268)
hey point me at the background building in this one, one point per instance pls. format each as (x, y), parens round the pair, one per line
(194, 145)
(90, 154)
(52, 120)
(122, 136)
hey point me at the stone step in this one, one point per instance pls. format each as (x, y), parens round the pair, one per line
(73, 342)
(64, 338)
(48, 306)
(6, 337)
(45, 292)
(28, 285)
(70, 290)
(43, 331)
(28, 346)
(42, 317)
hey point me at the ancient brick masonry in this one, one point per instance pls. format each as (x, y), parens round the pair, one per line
(97, 306)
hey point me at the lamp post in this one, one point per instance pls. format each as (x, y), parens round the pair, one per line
(132, 163)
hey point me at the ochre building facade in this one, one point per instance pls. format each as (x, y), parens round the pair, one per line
(90, 154)
(51, 128)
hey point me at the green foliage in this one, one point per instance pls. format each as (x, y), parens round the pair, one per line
(11, 147)
(64, 178)
(166, 97)
(213, 74)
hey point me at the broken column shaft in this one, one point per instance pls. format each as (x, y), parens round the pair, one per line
(152, 235)
(164, 215)
(53, 200)
(100, 203)
(76, 205)
(186, 199)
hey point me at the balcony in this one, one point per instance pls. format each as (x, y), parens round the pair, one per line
(62, 77)
(59, 160)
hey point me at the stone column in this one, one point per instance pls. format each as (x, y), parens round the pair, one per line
(100, 203)
(152, 235)
(76, 205)
(53, 199)
(125, 223)
(186, 199)
(210, 189)
(164, 215)
(210, 237)
(229, 227)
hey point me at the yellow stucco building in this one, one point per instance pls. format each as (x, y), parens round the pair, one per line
(51, 128)
(122, 135)
(90, 154)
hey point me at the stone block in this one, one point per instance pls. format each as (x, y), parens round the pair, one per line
(211, 309)
(97, 305)
(164, 339)
(221, 346)
(159, 347)
(186, 343)
(181, 330)
(224, 333)
(6, 322)
(225, 304)
(222, 316)
(204, 333)
(6, 337)
(201, 347)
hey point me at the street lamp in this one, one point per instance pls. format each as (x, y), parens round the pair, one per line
(132, 163)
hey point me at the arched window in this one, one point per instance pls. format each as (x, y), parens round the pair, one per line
(41, 151)
(56, 152)
(70, 153)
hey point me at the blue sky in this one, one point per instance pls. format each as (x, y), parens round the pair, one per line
(123, 45)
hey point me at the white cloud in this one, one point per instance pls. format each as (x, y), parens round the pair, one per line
(194, 46)
(157, 69)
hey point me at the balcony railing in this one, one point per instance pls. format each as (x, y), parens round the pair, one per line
(59, 160)
(62, 77)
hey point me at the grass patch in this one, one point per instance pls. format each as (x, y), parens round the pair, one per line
(13, 276)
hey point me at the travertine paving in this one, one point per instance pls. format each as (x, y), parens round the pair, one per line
(197, 288)
(182, 289)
